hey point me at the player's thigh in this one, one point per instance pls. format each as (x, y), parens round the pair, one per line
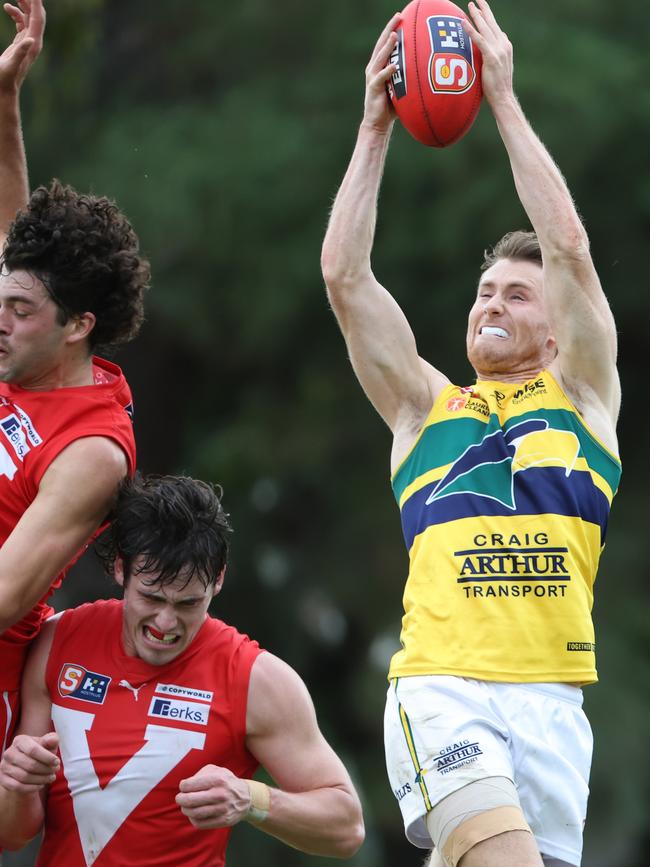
(440, 736)
(479, 812)
(551, 744)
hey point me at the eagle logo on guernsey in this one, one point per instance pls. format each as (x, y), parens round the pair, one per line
(487, 469)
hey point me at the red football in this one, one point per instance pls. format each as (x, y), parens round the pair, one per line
(436, 89)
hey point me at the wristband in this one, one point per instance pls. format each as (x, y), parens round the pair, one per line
(260, 801)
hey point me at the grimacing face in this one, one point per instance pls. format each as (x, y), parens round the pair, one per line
(508, 331)
(160, 622)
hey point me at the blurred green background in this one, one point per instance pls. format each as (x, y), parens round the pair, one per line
(223, 131)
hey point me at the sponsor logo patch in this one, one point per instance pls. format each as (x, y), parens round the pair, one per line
(398, 78)
(585, 646)
(75, 681)
(451, 66)
(403, 791)
(456, 756)
(455, 404)
(183, 692)
(179, 711)
(13, 430)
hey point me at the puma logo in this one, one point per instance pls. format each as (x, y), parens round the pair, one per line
(134, 689)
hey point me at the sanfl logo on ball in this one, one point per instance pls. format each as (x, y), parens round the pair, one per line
(451, 66)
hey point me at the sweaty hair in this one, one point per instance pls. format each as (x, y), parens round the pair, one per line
(176, 525)
(515, 245)
(85, 252)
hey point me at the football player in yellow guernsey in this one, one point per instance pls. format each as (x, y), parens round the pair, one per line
(504, 489)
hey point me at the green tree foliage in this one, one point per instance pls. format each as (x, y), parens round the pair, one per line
(223, 130)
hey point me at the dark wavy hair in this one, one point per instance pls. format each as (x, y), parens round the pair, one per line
(175, 524)
(85, 252)
(518, 245)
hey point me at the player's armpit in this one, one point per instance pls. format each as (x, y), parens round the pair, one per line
(75, 496)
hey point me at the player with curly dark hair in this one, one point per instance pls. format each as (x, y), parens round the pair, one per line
(86, 254)
(71, 278)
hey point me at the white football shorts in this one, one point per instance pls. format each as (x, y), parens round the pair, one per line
(443, 732)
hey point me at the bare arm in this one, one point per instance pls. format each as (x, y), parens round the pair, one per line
(75, 495)
(29, 765)
(582, 320)
(14, 65)
(379, 339)
(315, 809)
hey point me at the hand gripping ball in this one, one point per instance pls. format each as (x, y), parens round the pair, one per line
(436, 88)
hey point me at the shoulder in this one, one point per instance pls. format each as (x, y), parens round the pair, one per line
(276, 692)
(99, 456)
(102, 611)
(39, 653)
(217, 632)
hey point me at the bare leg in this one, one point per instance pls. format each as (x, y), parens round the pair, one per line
(510, 849)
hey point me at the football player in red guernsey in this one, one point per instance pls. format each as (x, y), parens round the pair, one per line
(71, 279)
(143, 720)
(487, 747)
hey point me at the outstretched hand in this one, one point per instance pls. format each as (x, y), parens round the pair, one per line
(378, 110)
(30, 763)
(484, 31)
(15, 61)
(214, 798)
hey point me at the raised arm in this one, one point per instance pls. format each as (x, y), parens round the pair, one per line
(582, 320)
(75, 496)
(315, 807)
(379, 339)
(15, 61)
(29, 765)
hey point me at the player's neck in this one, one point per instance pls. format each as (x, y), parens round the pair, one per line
(510, 376)
(70, 372)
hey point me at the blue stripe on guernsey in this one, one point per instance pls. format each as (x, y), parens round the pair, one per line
(537, 491)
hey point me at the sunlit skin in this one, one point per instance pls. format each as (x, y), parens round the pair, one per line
(36, 351)
(509, 334)
(160, 622)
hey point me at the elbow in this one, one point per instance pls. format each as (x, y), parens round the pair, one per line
(12, 611)
(352, 841)
(341, 275)
(9, 617)
(570, 243)
(333, 273)
(350, 835)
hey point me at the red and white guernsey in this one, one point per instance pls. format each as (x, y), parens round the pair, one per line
(35, 426)
(130, 732)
